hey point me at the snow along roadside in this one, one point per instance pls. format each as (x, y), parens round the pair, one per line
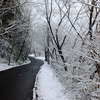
(47, 86)
(5, 66)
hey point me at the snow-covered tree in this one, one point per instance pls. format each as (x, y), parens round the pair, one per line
(74, 43)
(14, 29)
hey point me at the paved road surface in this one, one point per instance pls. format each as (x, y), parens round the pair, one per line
(17, 83)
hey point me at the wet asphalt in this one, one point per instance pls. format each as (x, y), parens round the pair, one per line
(17, 83)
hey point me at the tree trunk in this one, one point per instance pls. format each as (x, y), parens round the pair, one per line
(20, 51)
(11, 53)
(62, 57)
(90, 19)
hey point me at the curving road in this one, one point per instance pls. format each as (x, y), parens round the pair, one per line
(17, 83)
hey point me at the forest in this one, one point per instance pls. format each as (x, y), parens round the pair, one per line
(65, 32)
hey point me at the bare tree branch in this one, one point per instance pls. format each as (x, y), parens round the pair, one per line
(63, 41)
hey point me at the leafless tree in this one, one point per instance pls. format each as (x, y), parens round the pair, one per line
(13, 31)
(55, 38)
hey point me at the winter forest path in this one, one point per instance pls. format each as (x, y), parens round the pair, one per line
(17, 83)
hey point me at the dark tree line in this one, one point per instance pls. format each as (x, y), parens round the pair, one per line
(14, 31)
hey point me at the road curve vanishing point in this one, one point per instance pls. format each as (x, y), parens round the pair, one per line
(17, 83)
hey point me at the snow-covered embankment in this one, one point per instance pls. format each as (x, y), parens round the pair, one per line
(47, 86)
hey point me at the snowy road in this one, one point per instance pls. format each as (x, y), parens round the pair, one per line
(17, 83)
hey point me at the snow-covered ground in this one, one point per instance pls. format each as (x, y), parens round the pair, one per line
(5, 66)
(38, 57)
(47, 86)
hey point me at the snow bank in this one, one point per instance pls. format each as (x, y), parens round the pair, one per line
(47, 85)
(38, 57)
(5, 66)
